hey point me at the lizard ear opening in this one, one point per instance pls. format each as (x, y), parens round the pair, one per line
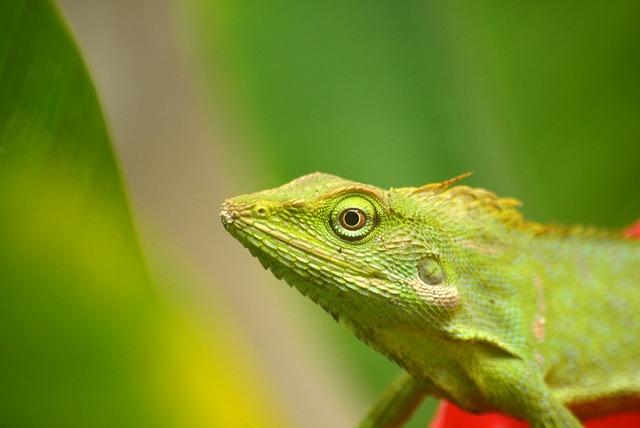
(431, 284)
(441, 187)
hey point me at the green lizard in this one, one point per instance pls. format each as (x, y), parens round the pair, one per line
(476, 304)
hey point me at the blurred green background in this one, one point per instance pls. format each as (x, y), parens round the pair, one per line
(123, 126)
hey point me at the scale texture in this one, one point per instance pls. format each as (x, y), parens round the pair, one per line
(478, 305)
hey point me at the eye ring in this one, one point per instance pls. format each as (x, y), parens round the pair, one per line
(353, 219)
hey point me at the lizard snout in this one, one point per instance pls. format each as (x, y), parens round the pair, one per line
(228, 213)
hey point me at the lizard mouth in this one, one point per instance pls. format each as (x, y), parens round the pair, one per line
(227, 218)
(228, 213)
(298, 261)
(238, 220)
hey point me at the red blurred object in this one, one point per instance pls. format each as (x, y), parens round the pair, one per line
(633, 231)
(450, 416)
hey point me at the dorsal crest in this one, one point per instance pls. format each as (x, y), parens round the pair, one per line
(480, 202)
(470, 201)
(434, 188)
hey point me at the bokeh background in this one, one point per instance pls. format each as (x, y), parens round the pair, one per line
(126, 304)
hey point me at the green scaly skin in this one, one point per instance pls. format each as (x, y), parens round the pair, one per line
(478, 305)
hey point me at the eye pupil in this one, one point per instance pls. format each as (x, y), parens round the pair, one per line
(353, 219)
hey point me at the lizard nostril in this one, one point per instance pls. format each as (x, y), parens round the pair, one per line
(261, 211)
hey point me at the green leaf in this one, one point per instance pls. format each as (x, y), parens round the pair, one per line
(85, 339)
(77, 300)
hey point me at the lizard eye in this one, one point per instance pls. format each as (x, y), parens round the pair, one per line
(353, 218)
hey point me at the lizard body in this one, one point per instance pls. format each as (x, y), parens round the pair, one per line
(478, 305)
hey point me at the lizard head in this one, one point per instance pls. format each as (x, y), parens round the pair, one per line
(370, 256)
